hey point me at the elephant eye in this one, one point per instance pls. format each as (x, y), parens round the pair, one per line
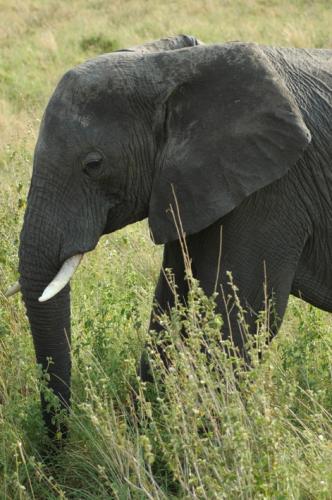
(92, 163)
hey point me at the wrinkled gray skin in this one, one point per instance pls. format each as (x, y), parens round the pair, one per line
(240, 133)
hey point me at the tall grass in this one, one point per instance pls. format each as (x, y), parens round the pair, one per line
(208, 427)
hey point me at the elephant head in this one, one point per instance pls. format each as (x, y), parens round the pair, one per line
(125, 132)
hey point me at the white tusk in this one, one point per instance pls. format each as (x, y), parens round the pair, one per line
(62, 278)
(16, 287)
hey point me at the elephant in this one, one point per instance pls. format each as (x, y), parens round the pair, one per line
(231, 141)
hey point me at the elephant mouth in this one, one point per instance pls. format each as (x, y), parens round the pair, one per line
(67, 269)
(70, 263)
(57, 284)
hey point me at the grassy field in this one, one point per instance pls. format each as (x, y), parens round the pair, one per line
(200, 433)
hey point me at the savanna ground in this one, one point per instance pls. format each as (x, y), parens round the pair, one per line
(201, 433)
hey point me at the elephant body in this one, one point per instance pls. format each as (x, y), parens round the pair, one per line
(311, 84)
(230, 145)
(279, 239)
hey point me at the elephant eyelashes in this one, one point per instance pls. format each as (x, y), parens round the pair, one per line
(92, 164)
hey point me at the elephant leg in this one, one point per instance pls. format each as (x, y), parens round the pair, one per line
(260, 243)
(261, 248)
(164, 297)
(311, 283)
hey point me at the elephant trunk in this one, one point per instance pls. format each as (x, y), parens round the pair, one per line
(50, 327)
(50, 320)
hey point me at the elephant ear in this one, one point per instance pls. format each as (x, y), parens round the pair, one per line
(231, 128)
(164, 44)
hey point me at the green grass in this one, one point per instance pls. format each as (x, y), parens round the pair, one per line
(199, 432)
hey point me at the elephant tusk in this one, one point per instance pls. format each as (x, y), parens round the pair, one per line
(62, 278)
(16, 287)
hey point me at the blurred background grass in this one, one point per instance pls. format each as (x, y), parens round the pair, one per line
(112, 294)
